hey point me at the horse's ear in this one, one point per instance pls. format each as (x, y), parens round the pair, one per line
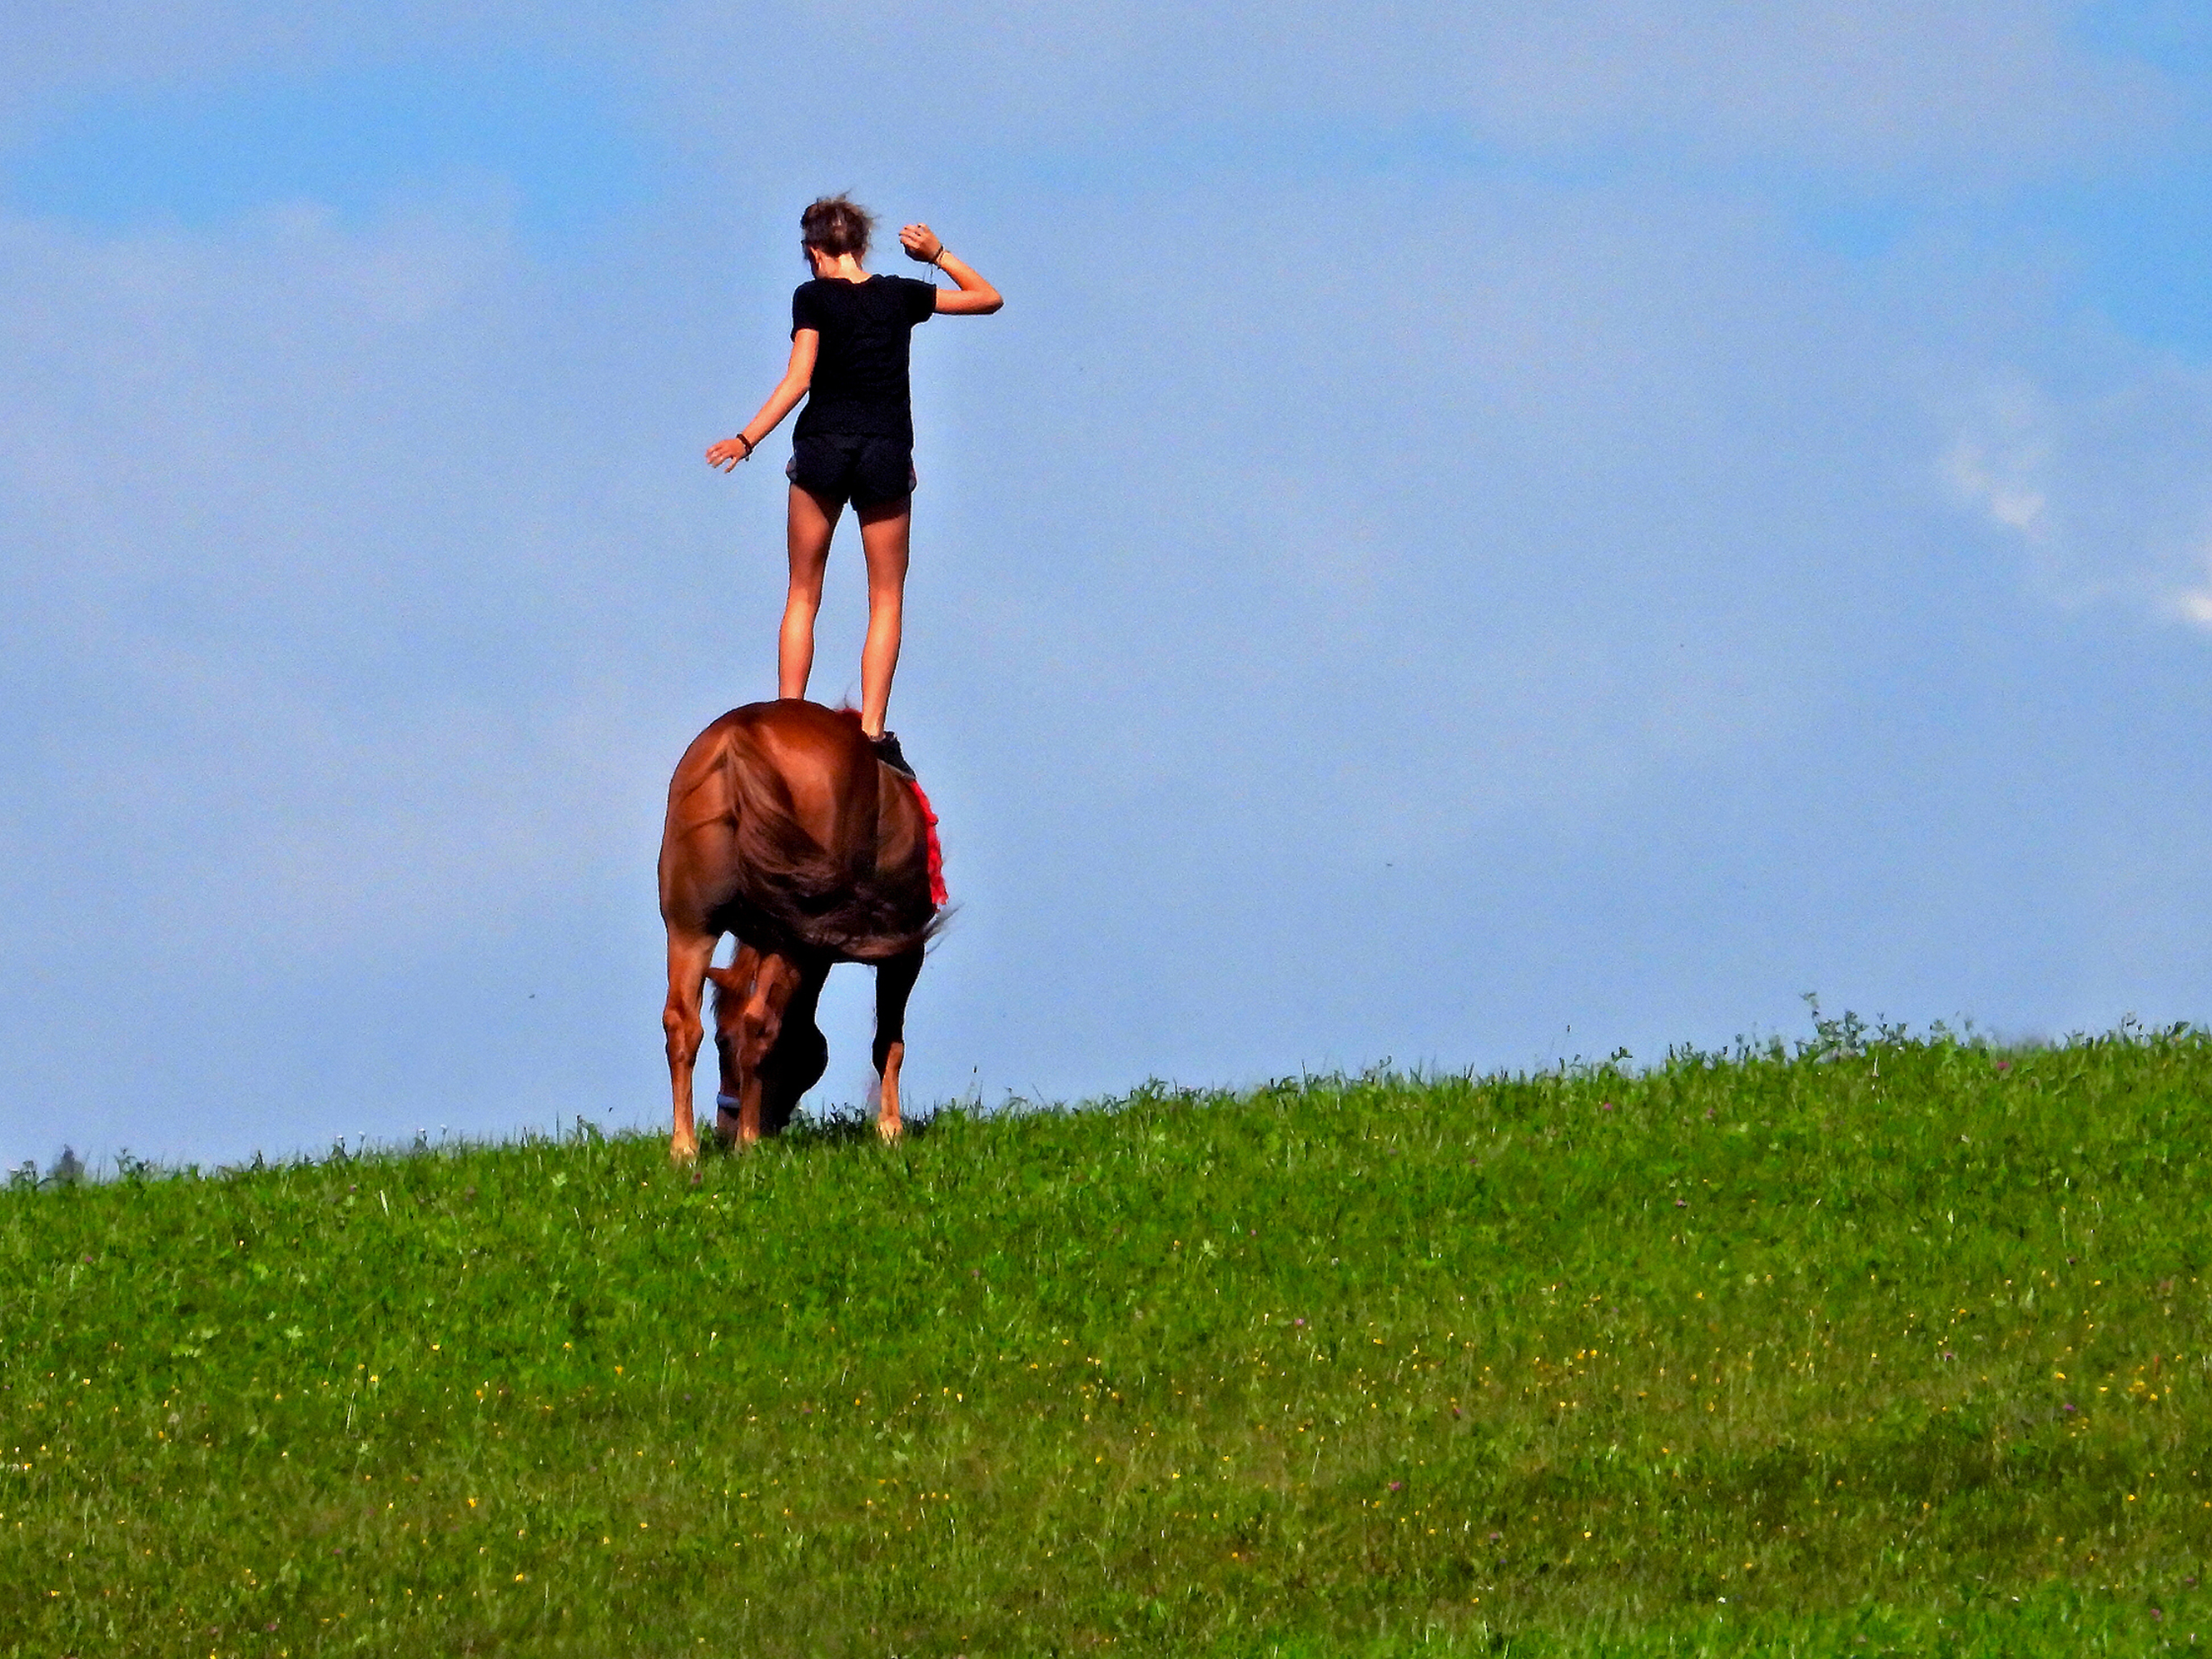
(723, 978)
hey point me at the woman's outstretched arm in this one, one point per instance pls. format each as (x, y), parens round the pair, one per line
(804, 344)
(976, 297)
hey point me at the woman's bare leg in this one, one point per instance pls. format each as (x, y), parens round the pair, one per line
(885, 529)
(811, 521)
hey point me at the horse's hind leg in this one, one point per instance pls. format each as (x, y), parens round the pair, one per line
(689, 953)
(894, 984)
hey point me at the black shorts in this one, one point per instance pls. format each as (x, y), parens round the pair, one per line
(865, 471)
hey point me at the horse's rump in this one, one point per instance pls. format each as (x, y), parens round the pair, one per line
(798, 890)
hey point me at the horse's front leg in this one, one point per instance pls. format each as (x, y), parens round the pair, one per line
(894, 984)
(733, 986)
(689, 955)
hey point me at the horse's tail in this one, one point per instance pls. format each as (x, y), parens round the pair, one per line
(795, 894)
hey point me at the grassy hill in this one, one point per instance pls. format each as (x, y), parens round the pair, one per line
(1887, 1347)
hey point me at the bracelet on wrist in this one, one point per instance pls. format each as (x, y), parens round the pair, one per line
(749, 446)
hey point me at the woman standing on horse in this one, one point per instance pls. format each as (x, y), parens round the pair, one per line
(850, 334)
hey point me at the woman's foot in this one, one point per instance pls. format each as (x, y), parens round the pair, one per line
(888, 752)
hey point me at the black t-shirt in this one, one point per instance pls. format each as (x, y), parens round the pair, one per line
(860, 385)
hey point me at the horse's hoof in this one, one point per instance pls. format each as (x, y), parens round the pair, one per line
(888, 1129)
(682, 1152)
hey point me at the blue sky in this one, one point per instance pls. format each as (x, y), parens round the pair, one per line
(1478, 537)
(357, 141)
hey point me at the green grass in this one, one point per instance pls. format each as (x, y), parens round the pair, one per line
(1901, 1349)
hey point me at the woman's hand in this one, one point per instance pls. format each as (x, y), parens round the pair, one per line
(922, 244)
(727, 454)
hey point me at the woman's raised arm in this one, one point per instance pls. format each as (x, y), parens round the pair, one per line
(976, 297)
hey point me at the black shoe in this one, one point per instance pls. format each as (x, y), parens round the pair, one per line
(888, 752)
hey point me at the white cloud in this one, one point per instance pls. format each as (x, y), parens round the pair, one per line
(2105, 485)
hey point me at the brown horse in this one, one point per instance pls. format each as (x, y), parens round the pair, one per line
(785, 830)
